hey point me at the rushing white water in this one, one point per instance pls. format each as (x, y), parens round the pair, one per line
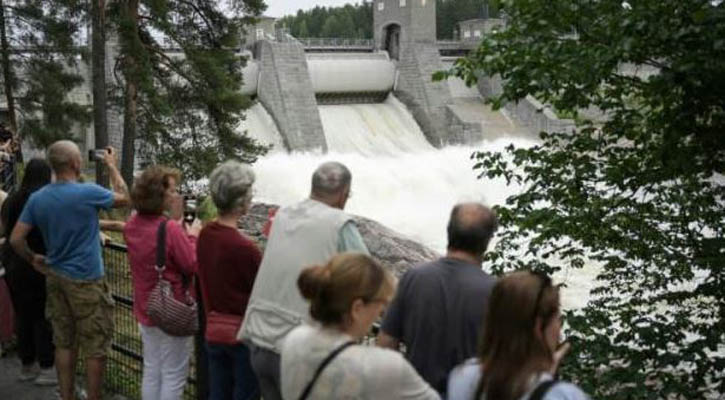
(260, 126)
(399, 179)
(372, 130)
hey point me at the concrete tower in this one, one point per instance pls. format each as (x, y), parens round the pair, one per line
(397, 22)
(406, 29)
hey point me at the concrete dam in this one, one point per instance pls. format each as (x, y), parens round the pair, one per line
(406, 139)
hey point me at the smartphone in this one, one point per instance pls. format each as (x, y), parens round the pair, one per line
(189, 209)
(96, 154)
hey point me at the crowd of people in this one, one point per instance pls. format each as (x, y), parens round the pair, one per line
(286, 323)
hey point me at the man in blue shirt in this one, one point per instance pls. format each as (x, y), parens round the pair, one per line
(78, 301)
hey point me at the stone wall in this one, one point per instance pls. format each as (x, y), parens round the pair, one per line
(286, 91)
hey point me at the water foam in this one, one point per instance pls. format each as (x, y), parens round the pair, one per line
(399, 179)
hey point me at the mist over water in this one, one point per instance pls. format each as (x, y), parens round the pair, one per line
(399, 179)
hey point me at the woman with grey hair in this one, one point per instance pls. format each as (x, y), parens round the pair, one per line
(228, 264)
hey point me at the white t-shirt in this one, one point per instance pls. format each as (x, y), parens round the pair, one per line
(464, 379)
(358, 372)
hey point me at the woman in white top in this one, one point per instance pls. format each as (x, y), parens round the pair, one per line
(346, 296)
(520, 349)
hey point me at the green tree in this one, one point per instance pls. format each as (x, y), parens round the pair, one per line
(302, 31)
(450, 12)
(348, 21)
(332, 27)
(40, 63)
(183, 108)
(639, 193)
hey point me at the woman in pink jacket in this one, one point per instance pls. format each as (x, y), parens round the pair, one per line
(166, 357)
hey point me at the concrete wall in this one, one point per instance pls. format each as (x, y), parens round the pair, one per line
(286, 91)
(426, 99)
(262, 30)
(531, 113)
(416, 17)
(474, 30)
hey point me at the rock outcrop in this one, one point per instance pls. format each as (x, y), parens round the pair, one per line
(392, 249)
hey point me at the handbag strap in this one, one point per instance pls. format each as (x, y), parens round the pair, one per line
(161, 247)
(322, 366)
(542, 389)
(161, 257)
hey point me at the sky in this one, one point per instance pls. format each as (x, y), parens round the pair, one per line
(280, 8)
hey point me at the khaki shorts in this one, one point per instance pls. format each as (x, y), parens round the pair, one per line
(81, 313)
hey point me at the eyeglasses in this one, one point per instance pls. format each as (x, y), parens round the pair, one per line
(545, 283)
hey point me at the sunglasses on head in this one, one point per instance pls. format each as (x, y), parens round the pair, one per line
(545, 283)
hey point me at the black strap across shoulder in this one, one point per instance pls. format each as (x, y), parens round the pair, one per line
(322, 366)
(161, 245)
(542, 389)
(161, 255)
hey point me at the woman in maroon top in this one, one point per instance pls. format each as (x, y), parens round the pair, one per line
(228, 264)
(166, 357)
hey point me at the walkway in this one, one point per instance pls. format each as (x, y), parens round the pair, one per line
(11, 389)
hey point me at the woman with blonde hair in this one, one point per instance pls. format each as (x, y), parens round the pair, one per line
(519, 352)
(322, 360)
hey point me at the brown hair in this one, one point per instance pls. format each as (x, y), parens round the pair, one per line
(332, 288)
(511, 352)
(148, 189)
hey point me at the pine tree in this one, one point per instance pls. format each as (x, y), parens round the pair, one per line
(40, 62)
(184, 109)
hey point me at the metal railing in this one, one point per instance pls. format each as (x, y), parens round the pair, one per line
(336, 43)
(124, 367)
(125, 362)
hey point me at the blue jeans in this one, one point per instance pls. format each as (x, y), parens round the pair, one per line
(230, 373)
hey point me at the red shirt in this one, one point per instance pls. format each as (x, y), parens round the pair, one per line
(228, 264)
(140, 235)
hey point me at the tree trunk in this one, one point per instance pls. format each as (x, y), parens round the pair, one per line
(130, 110)
(98, 53)
(8, 86)
(8, 77)
(129, 131)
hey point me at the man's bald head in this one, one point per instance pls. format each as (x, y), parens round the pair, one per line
(330, 178)
(471, 228)
(63, 155)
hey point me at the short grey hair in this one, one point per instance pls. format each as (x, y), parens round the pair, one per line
(61, 155)
(230, 185)
(330, 178)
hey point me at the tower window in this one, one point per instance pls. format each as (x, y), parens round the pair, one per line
(381, 6)
(402, 3)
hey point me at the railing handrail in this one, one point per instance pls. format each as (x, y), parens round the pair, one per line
(336, 42)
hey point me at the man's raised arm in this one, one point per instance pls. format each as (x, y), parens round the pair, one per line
(121, 197)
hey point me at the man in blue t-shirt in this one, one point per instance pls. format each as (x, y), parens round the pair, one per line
(78, 301)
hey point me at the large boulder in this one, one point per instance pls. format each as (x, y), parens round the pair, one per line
(392, 249)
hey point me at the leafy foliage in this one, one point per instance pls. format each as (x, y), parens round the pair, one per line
(346, 22)
(637, 196)
(188, 105)
(45, 67)
(355, 21)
